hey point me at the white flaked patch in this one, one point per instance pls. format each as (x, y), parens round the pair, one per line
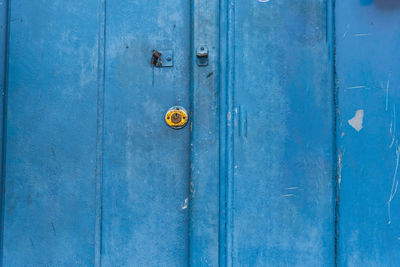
(185, 204)
(357, 121)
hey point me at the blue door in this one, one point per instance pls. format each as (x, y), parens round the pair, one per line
(289, 156)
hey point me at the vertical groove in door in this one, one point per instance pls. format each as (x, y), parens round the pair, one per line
(100, 130)
(4, 36)
(331, 35)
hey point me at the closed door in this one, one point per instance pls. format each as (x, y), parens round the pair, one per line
(289, 156)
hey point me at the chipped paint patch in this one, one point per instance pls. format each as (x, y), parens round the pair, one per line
(339, 166)
(357, 121)
(185, 204)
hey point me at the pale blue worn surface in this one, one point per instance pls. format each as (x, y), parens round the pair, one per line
(368, 83)
(290, 157)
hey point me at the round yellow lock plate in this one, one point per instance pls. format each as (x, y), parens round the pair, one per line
(176, 117)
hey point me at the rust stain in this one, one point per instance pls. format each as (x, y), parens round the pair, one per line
(155, 59)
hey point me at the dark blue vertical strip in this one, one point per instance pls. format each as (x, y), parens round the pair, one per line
(191, 105)
(3, 109)
(100, 129)
(331, 38)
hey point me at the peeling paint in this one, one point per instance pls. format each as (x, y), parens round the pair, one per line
(339, 166)
(357, 121)
(185, 204)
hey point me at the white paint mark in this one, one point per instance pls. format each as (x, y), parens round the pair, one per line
(229, 116)
(340, 166)
(361, 34)
(347, 30)
(387, 93)
(395, 183)
(186, 204)
(357, 121)
(356, 87)
(292, 188)
(288, 195)
(393, 126)
(264, 1)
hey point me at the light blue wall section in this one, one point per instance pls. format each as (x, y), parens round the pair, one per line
(368, 89)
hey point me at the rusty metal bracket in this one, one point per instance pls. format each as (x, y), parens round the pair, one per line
(164, 58)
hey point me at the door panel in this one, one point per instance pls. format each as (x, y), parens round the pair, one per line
(49, 175)
(290, 157)
(280, 197)
(146, 164)
(367, 67)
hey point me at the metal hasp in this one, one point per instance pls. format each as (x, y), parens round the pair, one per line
(176, 117)
(162, 58)
(202, 55)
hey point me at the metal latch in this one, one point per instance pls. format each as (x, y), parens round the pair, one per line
(202, 55)
(162, 58)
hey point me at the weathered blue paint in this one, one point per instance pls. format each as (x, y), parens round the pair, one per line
(50, 163)
(145, 212)
(368, 82)
(280, 205)
(276, 167)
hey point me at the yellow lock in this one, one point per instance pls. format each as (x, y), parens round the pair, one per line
(176, 117)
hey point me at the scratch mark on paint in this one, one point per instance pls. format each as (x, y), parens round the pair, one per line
(288, 195)
(387, 93)
(293, 188)
(395, 183)
(393, 126)
(361, 34)
(186, 204)
(264, 1)
(356, 87)
(357, 121)
(229, 116)
(347, 30)
(54, 229)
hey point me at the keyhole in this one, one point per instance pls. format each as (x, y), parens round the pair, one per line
(176, 118)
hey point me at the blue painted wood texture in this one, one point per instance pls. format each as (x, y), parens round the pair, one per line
(290, 158)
